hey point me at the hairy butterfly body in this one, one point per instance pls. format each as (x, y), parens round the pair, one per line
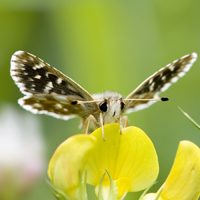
(48, 91)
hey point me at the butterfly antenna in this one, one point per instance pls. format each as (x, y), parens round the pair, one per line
(154, 99)
(82, 102)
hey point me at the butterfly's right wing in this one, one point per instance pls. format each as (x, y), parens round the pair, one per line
(158, 82)
(47, 90)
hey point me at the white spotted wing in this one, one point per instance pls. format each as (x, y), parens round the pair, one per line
(48, 91)
(159, 82)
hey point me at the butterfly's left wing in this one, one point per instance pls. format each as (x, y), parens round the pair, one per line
(47, 90)
(158, 82)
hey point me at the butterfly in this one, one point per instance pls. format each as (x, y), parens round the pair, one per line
(48, 91)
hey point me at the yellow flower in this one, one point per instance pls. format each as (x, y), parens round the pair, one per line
(130, 159)
(183, 182)
(67, 163)
(122, 163)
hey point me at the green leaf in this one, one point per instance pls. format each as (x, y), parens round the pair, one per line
(158, 195)
(145, 191)
(100, 194)
(113, 192)
(195, 123)
(59, 195)
(113, 189)
(82, 194)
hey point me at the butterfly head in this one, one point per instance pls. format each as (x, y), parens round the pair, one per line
(111, 107)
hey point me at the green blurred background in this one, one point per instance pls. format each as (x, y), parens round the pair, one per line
(107, 45)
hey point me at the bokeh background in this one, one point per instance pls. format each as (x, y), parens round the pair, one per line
(102, 45)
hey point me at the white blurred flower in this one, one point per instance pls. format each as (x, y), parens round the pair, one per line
(21, 152)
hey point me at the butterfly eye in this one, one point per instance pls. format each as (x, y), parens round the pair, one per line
(122, 105)
(103, 106)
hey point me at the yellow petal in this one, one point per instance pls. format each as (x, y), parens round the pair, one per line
(183, 181)
(123, 185)
(68, 161)
(130, 154)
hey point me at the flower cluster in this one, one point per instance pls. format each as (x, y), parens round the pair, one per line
(122, 163)
(21, 153)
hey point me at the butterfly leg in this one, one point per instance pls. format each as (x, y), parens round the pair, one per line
(123, 123)
(91, 124)
(101, 121)
(120, 124)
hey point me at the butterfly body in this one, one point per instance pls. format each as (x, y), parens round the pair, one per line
(48, 91)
